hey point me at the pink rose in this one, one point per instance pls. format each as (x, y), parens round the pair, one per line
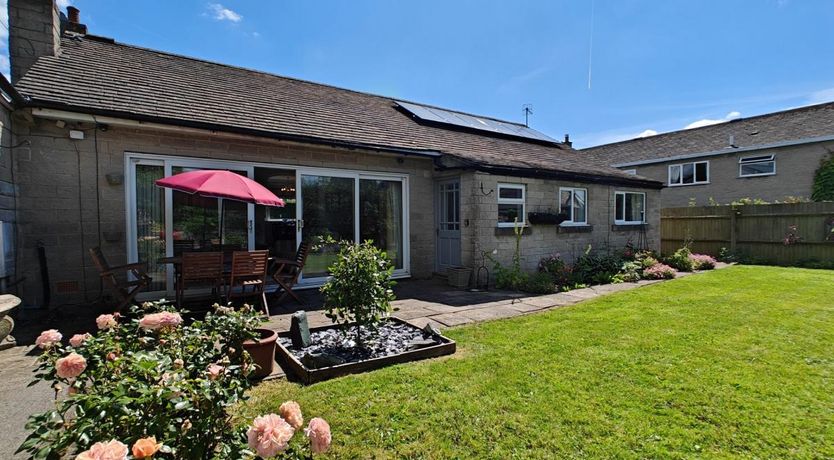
(215, 371)
(70, 366)
(291, 412)
(269, 435)
(156, 321)
(79, 339)
(318, 432)
(48, 338)
(106, 322)
(110, 450)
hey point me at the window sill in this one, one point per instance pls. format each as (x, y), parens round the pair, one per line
(575, 228)
(626, 227)
(687, 185)
(752, 176)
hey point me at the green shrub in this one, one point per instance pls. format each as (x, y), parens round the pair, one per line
(630, 272)
(540, 283)
(596, 268)
(360, 289)
(511, 278)
(560, 272)
(823, 189)
(681, 260)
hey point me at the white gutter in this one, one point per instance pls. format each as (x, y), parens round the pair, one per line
(726, 151)
(53, 114)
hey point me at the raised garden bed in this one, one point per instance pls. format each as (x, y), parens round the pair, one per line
(398, 342)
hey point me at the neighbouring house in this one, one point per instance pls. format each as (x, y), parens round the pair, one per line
(772, 157)
(97, 122)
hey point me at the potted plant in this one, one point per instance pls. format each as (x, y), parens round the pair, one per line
(546, 218)
(262, 351)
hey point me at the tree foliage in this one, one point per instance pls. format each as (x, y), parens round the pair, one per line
(823, 189)
(360, 289)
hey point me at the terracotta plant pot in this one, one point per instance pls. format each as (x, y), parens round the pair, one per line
(262, 352)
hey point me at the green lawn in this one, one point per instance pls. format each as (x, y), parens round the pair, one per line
(733, 363)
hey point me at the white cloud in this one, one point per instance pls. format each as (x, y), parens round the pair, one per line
(221, 13)
(63, 4)
(823, 95)
(647, 133)
(711, 121)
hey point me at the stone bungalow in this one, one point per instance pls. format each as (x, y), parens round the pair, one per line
(95, 122)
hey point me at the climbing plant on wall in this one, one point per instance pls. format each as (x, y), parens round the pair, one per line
(823, 189)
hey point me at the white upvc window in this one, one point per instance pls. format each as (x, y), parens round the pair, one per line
(630, 208)
(693, 173)
(511, 204)
(764, 165)
(574, 203)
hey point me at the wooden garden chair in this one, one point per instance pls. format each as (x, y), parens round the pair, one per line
(126, 289)
(200, 269)
(248, 277)
(285, 272)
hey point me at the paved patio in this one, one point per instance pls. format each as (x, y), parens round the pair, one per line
(421, 302)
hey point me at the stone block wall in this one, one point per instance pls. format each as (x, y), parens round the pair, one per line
(67, 205)
(480, 209)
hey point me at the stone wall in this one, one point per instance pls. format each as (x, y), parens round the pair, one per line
(795, 168)
(482, 234)
(68, 206)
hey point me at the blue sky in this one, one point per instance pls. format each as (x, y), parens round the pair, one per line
(655, 65)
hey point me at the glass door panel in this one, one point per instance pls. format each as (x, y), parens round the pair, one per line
(381, 216)
(275, 228)
(328, 209)
(196, 221)
(150, 222)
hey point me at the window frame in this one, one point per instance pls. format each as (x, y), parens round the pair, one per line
(522, 201)
(625, 193)
(695, 180)
(573, 190)
(755, 160)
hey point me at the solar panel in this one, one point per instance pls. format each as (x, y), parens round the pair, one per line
(448, 117)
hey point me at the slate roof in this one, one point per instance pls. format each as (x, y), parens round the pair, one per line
(808, 122)
(97, 75)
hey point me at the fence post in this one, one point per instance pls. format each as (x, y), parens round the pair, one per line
(733, 230)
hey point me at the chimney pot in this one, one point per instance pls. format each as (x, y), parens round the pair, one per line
(73, 14)
(567, 141)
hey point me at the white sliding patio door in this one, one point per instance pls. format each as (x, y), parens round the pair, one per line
(162, 222)
(352, 207)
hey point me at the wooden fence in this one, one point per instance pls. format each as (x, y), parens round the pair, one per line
(756, 231)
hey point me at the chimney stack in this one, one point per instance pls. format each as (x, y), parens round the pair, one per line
(567, 141)
(74, 14)
(74, 21)
(34, 31)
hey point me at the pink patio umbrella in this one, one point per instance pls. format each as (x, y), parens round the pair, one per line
(223, 185)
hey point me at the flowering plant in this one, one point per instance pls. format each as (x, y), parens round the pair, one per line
(702, 262)
(146, 380)
(659, 271)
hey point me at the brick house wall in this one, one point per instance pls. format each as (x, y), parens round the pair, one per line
(66, 203)
(482, 233)
(795, 168)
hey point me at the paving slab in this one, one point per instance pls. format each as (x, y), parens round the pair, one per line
(489, 314)
(525, 307)
(453, 319)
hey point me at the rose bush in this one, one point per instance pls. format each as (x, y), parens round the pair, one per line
(146, 380)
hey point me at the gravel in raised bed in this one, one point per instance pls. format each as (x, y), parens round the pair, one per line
(389, 339)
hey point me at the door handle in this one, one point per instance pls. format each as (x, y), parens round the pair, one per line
(299, 224)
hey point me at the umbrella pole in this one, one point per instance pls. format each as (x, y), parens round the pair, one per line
(222, 210)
